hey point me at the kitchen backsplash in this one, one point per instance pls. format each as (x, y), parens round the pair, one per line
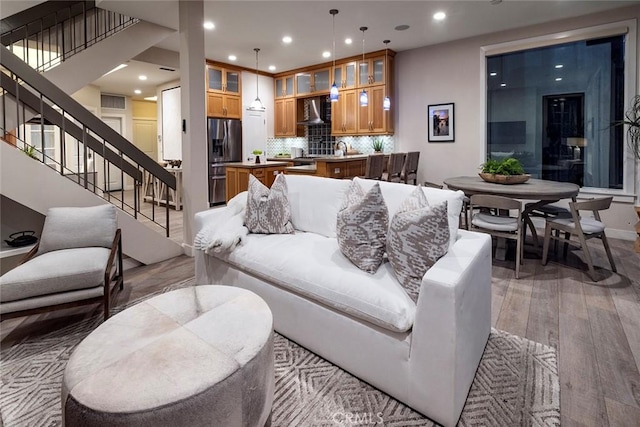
(358, 143)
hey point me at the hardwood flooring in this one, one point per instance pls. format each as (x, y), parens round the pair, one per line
(594, 325)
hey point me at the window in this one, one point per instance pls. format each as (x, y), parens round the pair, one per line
(553, 108)
(43, 139)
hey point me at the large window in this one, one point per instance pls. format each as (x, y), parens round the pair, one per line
(553, 108)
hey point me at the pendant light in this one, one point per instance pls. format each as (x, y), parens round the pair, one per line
(386, 103)
(333, 94)
(256, 105)
(364, 98)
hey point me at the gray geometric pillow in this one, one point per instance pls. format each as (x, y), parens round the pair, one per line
(268, 211)
(362, 225)
(418, 237)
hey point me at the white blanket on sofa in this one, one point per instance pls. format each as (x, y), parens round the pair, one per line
(228, 232)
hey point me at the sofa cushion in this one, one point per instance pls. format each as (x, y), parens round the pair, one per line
(313, 266)
(362, 225)
(315, 202)
(268, 210)
(66, 228)
(55, 272)
(395, 193)
(418, 237)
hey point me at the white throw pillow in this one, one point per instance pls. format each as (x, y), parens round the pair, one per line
(268, 211)
(362, 225)
(418, 237)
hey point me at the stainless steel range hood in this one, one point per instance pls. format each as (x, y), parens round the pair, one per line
(317, 111)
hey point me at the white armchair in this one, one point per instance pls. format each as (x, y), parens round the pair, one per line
(72, 265)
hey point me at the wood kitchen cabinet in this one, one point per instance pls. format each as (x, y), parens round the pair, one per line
(284, 86)
(341, 169)
(225, 106)
(345, 75)
(223, 80)
(313, 82)
(373, 119)
(372, 71)
(344, 113)
(237, 175)
(286, 115)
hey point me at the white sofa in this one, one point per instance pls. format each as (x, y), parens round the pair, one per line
(423, 354)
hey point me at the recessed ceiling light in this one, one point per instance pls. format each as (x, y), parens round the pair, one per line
(326, 54)
(559, 66)
(503, 85)
(209, 25)
(348, 41)
(142, 77)
(558, 79)
(272, 67)
(137, 91)
(151, 98)
(232, 57)
(439, 16)
(402, 27)
(493, 74)
(287, 39)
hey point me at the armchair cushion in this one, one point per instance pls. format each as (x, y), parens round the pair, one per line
(66, 228)
(55, 272)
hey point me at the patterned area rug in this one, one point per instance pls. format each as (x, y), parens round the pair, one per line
(516, 385)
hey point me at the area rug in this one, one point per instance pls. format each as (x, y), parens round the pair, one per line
(516, 384)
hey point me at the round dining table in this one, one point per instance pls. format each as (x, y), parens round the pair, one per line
(543, 191)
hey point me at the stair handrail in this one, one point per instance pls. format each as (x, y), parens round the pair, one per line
(43, 86)
(57, 11)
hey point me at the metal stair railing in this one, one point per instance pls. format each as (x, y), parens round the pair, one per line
(49, 33)
(70, 139)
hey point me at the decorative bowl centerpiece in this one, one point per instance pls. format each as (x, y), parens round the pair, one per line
(505, 171)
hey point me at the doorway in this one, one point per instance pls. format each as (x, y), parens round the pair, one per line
(113, 180)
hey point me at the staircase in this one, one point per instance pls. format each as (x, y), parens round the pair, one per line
(56, 152)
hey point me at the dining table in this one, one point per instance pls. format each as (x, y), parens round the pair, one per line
(542, 191)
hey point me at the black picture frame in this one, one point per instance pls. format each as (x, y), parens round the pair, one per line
(441, 122)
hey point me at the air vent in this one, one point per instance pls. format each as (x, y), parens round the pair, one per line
(166, 69)
(113, 101)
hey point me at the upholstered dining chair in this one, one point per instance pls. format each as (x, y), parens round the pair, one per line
(544, 211)
(582, 228)
(394, 168)
(410, 168)
(77, 261)
(374, 167)
(490, 219)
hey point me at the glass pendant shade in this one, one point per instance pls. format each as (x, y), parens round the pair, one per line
(256, 105)
(333, 94)
(386, 103)
(364, 98)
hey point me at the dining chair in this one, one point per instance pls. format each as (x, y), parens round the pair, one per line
(374, 167)
(543, 211)
(394, 168)
(410, 168)
(432, 185)
(583, 228)
(492, 220)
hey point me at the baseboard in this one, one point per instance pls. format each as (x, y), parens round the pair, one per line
(189, 250)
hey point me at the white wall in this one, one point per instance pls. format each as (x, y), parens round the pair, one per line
(452, 72)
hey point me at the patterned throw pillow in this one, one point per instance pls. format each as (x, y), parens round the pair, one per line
(268, 211)
(418, 237)
(362, 226)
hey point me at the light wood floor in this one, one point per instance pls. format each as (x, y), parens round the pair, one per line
(594, 325)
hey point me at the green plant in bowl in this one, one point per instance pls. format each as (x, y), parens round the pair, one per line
(508, 166)
(377, 145)
(257, 152)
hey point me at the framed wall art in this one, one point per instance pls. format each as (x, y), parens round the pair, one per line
(441, 123)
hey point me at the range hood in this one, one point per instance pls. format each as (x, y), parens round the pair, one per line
(317, 111)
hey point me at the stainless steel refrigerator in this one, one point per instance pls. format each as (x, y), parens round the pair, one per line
(224, 145)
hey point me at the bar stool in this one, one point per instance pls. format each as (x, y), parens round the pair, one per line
(394, 169)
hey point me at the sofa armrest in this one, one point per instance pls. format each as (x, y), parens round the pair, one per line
(452, 325)
(203, 218)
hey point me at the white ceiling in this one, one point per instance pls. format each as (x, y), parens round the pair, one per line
(242, 26)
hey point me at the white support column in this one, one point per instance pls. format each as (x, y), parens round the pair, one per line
(193, 101)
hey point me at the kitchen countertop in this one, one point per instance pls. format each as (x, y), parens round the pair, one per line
(254, 165)
(311, 169)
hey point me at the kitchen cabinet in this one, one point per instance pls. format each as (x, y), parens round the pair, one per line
(223, 80)
(345, 75)
(373, 119)
(313, 82)
(286, 115)
(224, 106)
(341, 168)
(372, 71)
(344, 113)
(237, 175)
(284, 87)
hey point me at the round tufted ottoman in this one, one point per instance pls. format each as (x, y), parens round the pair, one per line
(198, 356)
